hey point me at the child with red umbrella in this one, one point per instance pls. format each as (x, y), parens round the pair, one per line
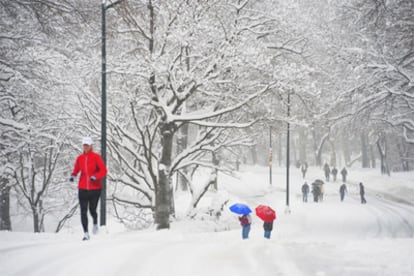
(268, 215)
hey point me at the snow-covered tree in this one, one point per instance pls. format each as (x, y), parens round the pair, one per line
(34, 125)
(380, 35)
(182, 63)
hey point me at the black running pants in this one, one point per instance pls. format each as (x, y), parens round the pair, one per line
(88, 199)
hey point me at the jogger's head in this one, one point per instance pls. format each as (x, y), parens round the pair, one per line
(87, 144)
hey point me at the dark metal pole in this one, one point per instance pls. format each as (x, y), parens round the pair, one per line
(270, 155)
(103, 114)
(288, 151)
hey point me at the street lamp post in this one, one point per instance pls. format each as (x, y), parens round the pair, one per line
(103, 116)
(104, 7)
(270, 155)
(287, 152)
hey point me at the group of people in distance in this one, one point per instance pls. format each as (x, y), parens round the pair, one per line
(334, 173)
(304, 168)
(317, 186)
(343, 190)
(317, 191)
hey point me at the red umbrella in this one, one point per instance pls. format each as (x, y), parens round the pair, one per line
(266, 213)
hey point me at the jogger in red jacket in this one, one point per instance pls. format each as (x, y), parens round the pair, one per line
(92, 169)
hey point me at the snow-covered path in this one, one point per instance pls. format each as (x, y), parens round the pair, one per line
(328, 238)
(140, 254)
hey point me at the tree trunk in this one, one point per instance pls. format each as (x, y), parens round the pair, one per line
(216, 163)
(403, 154)
(319, 148)
(279, 150)
(382, 149)
(294, 152)
(38, 217)
(36, 220)
(5, 222)
(253, 151)
(163, 200)
(182, 142)
(372, 153)
(364, 150)
(346, 150)
(333, 154)
(302, 146)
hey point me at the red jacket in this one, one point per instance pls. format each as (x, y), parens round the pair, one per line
(89, 164)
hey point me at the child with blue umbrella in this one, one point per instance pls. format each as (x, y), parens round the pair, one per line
(245, 218)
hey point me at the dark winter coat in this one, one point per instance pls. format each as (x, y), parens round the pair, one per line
(268, 226)
(245, 220)
(305, 188)
(304, 167)
(342, 189)
(326, 169)
(316, 190)
(361, 189)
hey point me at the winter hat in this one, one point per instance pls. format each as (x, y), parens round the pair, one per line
(87, 141)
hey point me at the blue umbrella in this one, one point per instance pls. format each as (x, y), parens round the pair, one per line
(240, 209)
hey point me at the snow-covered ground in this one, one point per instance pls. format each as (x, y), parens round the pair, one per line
(327, 238)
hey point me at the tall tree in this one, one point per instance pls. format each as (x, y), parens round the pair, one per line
(35, 63)
(197, 65)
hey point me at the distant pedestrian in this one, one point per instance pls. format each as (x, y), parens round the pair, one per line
(334, 173)
(362, 193)
(92, 169)
(268, 227)
(245, 221)
(344, 173)
(316, 192)
(305, 192)
(304, 169)
(327, 171)
(321, 193)
(342, 191)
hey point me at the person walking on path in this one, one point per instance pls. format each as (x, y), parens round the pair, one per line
(334, 173)
(342, 191)
(305, 192)
(344, 173)
(92, 169)
(327, 171)
(268, 227)
(321, 193)
(304, 169)
(316, 191)
(362, 193)
(245, 221)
